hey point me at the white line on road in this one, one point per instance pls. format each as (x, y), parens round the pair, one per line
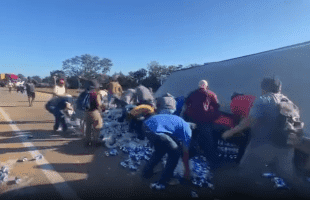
(60, 184)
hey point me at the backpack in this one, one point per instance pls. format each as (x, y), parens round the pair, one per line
(83, 101)
(288, 120)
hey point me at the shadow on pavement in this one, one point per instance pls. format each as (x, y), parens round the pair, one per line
(107, 179)
(34, 101)
(13, 106)
(27, 122)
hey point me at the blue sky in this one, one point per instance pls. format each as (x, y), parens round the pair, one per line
(37, 36)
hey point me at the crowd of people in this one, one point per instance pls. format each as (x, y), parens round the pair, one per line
(185, 126)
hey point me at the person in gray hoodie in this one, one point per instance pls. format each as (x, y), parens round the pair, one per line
(143, 96)
(127, 96)
(166, 104)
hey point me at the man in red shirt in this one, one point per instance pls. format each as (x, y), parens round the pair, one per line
(240, 106)
(202, 105)
(202, 108)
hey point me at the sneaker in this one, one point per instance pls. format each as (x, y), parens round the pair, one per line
(174, 181)
(88, 144)
(158, 186)
(147, 175)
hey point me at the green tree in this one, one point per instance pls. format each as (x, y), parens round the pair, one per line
(86, 66)
(161, 72)
(139, 75)
(46, 79)
(37, 79)
(22, 77)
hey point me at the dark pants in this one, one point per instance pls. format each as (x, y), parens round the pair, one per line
(124, 114)
(136, 126)
(194, 145)
(242, 142)
(59, 119)
(207, 142)
(123, 105)
(160, 150)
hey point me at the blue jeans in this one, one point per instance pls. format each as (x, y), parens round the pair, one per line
(161, 149)
(59, 119)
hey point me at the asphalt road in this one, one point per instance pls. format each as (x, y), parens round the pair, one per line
(68, 170)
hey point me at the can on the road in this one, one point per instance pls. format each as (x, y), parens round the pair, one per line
(17, 180)
(194, 194)
(268, 175)
(4, 169)
(38, 157)
(280, 184)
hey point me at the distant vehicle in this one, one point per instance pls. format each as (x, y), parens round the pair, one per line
(2, 84)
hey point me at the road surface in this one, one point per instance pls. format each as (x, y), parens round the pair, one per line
(68, 170)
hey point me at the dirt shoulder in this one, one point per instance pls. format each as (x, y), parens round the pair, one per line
(73, 92)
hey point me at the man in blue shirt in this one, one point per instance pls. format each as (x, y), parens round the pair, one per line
(168, 134)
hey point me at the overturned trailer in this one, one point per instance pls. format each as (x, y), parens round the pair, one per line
(244, 74)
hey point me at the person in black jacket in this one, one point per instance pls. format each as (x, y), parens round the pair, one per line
(58, 106)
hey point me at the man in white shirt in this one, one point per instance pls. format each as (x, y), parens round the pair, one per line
(60, 90)
(10, 85)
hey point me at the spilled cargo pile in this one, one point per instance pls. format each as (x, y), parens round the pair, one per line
(117, 138)
(4, 174)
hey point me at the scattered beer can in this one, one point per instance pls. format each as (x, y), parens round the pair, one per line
(4, 177)
(280, 184)
(123, 164)
(268, 175)
(17, 180)
(133, 167)
(210, 185)
(157, 186)
(113, 152)
(38, 157)
(194, 194)
(5, 169)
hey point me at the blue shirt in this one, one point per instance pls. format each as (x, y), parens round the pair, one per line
(171, 125)
(179, 105)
